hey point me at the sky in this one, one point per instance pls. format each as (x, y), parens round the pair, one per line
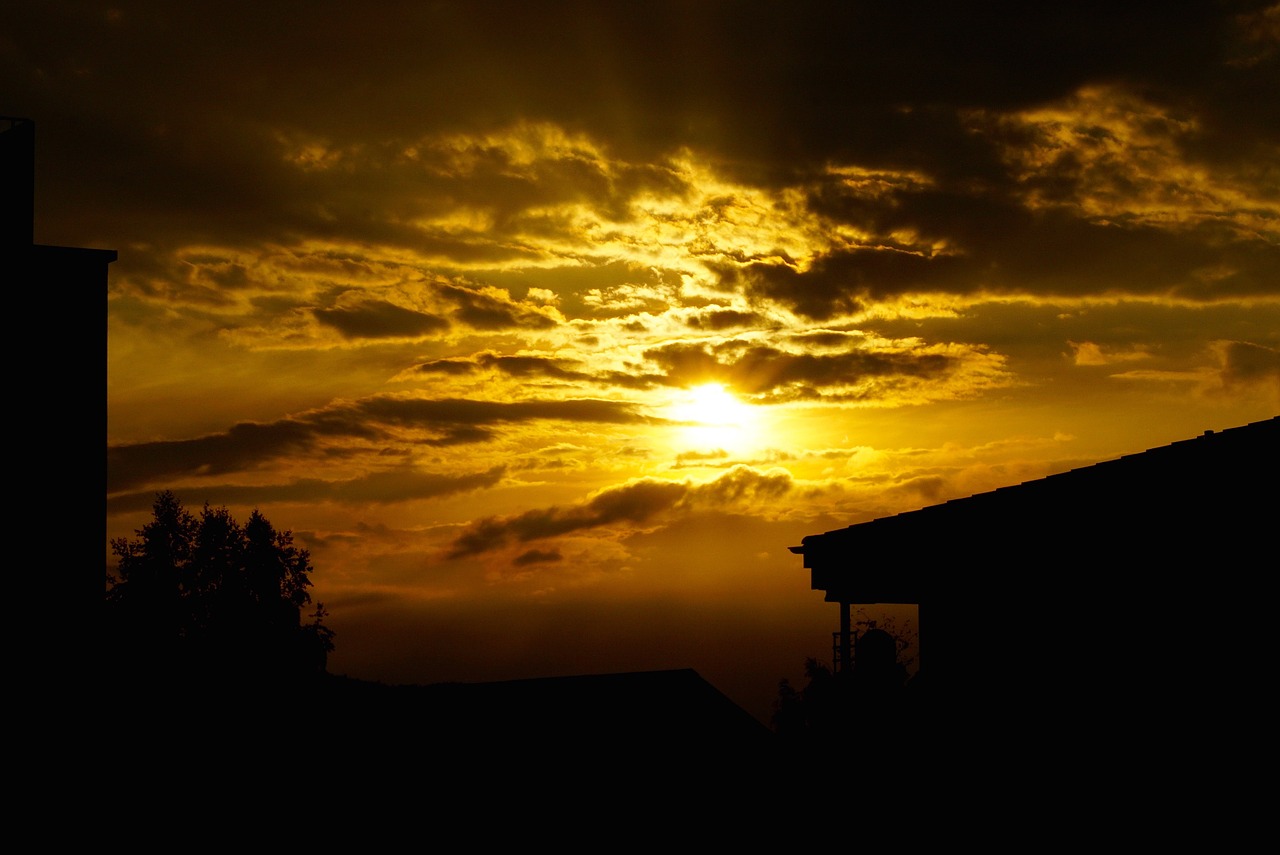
(548, 327)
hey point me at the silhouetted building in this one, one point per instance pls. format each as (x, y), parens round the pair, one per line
(1098, 582)
(601, 730)
(649, 712)
(20, 256)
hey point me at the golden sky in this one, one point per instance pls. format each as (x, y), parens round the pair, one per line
(548, 327)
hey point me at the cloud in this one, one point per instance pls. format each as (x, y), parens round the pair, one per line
(771, 374)
(437, 422)
(539, 221)
(424, 412)
(1106, 153)
(242, 445)
(384, 487)
(380, 319)
(1068, 185)
(724, 319)
(1092, 353)
(700, 456)
(452, 367)
(720, 77)
(635, 503)
(493, 309)
(774, 375)
(518, 366)
(537, 556)
(1247, 364)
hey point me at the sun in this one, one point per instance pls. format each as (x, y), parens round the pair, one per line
(713, 419)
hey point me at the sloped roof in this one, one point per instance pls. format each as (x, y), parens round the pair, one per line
(647, 709)
(525, 733)
(611, 724)
(1208, 501)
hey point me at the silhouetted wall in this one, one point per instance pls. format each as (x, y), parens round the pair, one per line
(21, 257)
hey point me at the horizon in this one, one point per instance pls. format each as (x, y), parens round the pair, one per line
(548, 331)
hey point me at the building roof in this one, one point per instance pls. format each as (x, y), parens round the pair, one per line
(651, 710)
(635, 716)
(1202, 502)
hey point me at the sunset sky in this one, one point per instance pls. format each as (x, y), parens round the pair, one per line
(548, 327)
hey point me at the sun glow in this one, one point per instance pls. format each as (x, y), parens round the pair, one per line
(713, 419)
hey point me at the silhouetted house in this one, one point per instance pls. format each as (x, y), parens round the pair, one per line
(609, 725)
(1099, 582)
(20, 256)
(650, 713)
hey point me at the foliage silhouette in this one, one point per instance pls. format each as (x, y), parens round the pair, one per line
(204, 598)
(868, 702)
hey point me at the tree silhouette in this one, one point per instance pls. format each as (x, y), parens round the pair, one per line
(206, 599)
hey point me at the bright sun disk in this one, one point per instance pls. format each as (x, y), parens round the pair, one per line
(714, 418)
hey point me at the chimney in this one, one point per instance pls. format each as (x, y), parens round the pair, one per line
(17, 182)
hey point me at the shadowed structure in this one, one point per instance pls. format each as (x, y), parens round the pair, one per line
(627, 714)
(1095, 585)
(603, 738)
(40, 265)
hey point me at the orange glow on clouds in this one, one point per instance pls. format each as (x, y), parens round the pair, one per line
(488, 310)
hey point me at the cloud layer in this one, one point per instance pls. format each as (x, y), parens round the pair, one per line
(438, 284)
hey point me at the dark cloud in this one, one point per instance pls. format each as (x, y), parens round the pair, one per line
(452, 367)
(1003, 248)
(636, 379)
(377, 488)
(537, 556)
(531, 366)
(410, 412)
(825, 338)
(633, 503)
(457, 435)
(743, 483)
(637, 503)
(524, 367)
(845, 282)
(1251, 363)
(213, 87)
(380, 319)
(724, 319)
(440, 422)
(755, 369)
(242, 446)
(485, 311)
(686, 364)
